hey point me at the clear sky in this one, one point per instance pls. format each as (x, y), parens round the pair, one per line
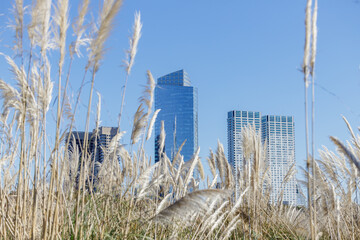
(241, 55)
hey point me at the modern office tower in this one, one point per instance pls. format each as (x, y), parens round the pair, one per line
(279, 134)
(236, 121)
(178, 102)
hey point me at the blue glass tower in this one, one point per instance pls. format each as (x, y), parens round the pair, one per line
(177, 100)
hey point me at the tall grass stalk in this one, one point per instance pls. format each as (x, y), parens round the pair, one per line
(309, 70)
(131, 53)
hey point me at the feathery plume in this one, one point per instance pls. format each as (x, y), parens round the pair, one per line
(143, 179)
(45, 94)
(214, 181)
(231, 227)
(212, 163)
(314, 38)
(38, 30)
(193, 203)
(148, 96)
(114, 143)
(194, 162)
(134, 40)
(201, 169)
(19, 26)
(177, 155)
(151, 125)
(307, 42)
(355, 140)
(26, 93)
(79, 29)
(161, 140)
(10, 97)
(61, 20)
(98, 111)
(219, 161)
(346, 152)
(238, 202)
(107, 15)
(139, 124)
(212, 219)
(217, 222)
(163, 202)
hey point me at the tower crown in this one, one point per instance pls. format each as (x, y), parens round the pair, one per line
(178, 78)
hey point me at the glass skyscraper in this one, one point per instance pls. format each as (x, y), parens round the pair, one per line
(178, 102)
(236, 121)
(279, 134)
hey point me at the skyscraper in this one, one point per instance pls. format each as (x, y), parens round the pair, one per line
(97, 148)
(236, 121)
(278, 133)
(178, 102)
(105, 135)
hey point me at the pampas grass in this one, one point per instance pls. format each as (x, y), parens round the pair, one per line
(50, 190)
(131, 53)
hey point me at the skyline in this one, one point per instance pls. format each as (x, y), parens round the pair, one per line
(233, 56)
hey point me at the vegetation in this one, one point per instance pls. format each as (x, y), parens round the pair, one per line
(42, 198)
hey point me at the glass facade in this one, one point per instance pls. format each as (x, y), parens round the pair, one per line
(177, 100)
(279, 134)
(236, 121)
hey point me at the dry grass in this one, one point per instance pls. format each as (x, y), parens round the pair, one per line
(47, 193)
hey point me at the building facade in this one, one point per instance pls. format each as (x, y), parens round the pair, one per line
(178, 102)
(236, 121)
(98, 143)
(278, 133)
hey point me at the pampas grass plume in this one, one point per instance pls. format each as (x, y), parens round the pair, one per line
(134, 40)
(61, 20)
(152, 122)
(107, 15)
(307, 42)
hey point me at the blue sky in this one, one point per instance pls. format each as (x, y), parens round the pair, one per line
(241, 55)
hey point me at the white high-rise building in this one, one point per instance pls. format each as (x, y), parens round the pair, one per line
(236, 121)
(279, 134)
